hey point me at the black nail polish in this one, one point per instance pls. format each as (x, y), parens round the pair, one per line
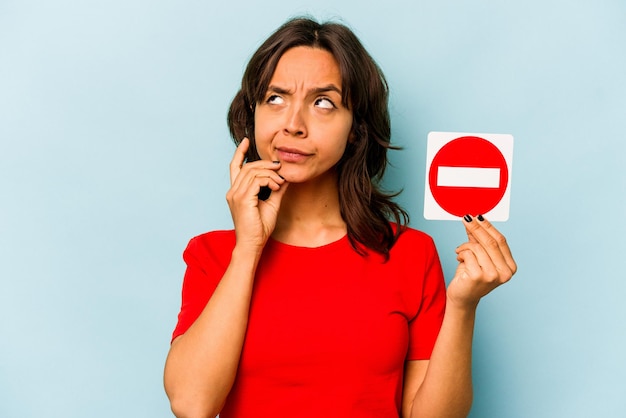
(480, 218)
(467, 218)
(276, 162)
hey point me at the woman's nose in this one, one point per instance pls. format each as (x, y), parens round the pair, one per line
(295, 123)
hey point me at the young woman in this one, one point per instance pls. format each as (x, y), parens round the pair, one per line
(322, 302)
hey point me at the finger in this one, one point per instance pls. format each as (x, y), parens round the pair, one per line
(277, 193)
(489, 243)
(481, 262)
(470, 237)
(501, 240)
(471, 264)
(237, 162)
(469, 269)
(254, 175)
(275, 198)
(251, 179)
(261, 173)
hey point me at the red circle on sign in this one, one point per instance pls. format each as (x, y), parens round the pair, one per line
(474, 152)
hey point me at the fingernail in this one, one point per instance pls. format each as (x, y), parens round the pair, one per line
(276, 162)
(467, 218)
(480, 218)
(280, 176)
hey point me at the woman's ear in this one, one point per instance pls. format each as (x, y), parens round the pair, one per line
(352, 135)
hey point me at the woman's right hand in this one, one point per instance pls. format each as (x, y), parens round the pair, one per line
(254, 219)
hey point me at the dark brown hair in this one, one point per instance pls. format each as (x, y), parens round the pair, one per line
(365, 207)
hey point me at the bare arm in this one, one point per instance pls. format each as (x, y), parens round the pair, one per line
(202, 363)
(446, 388)
(442, 387)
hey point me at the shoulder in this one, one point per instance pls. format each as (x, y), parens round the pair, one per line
(214, 244)
(414, 248)
(214, 237)
(411, 239)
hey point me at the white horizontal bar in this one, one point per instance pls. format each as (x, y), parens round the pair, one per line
(468, 177)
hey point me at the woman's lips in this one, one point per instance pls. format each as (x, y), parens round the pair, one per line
(292, 155)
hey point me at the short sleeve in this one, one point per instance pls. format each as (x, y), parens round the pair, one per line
(424, 327)
(207, 256)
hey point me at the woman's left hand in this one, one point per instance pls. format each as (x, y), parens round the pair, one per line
(485, 262)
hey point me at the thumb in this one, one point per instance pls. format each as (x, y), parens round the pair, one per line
(276, 197)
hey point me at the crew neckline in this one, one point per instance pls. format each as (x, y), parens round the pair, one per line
(331, 245)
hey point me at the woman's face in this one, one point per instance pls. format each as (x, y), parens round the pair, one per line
(301, 121)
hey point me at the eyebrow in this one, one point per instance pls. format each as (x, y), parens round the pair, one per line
(314, 91)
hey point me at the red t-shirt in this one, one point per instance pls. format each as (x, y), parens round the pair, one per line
(329, 331)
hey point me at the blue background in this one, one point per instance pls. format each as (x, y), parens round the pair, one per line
(114, 152)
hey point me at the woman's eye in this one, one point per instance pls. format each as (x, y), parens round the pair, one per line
(274, 99)
(324, 103)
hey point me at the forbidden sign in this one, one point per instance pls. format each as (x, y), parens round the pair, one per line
(468, 174)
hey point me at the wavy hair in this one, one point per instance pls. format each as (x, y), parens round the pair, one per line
(373, 219)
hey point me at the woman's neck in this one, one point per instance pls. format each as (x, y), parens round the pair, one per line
(310, 214)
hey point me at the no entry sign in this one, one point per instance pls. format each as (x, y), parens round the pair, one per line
(468, 174)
